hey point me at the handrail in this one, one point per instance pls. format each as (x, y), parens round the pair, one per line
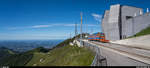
(94, 61)
(98, 58)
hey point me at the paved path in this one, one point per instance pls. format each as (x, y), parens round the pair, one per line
(142, 55)
(139, 42)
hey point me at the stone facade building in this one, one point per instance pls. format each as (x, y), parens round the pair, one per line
(122, 21)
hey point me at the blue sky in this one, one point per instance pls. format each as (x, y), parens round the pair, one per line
(53, 19)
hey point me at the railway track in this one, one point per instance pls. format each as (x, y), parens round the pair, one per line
(137, 54)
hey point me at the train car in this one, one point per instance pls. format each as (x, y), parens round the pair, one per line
(98, 37)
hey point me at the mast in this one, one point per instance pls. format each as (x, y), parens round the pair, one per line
(76, 29)
(81, 29)
(70, 35)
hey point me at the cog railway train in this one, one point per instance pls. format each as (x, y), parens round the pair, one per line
(99, 36)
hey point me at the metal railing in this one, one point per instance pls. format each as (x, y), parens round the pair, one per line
(99, 60)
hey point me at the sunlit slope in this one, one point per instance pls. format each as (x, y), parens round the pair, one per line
(66, 55)
(60, 55)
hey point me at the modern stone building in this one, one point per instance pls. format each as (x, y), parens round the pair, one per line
(122, 21)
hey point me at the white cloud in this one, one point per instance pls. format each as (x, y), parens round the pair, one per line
(91, 25)
(97, 17)
(40, 26)
(69, 24)
(48, 25)
(52, 25)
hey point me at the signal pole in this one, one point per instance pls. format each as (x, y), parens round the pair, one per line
(81, 30)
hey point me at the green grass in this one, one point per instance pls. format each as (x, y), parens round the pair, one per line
(20, 59)
(16, 59)
(5, 52)
(64, 56)
(60, 55)
(145, 31)
(10, 52)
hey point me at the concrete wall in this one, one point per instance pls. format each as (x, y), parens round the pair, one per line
(116, 26)
(105, 24)
(141, 22)
(128, 28)
(137, 24)
(128, 11)
(113, 28)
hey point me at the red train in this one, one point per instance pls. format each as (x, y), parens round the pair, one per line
(98, 37)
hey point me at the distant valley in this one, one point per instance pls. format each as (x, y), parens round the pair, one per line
(25, 45)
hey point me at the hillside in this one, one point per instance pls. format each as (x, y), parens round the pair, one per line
(20, 59)
(5, 52)
(60, 55)
(64, 56)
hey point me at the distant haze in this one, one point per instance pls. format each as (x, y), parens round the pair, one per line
(25, 45)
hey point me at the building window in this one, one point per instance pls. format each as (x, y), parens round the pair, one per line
(128, 17)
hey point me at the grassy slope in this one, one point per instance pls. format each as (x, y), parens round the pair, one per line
(20, 59)
(4, 52)
(143, 32)
(67, 55)
(60, 55)
(16, 60)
